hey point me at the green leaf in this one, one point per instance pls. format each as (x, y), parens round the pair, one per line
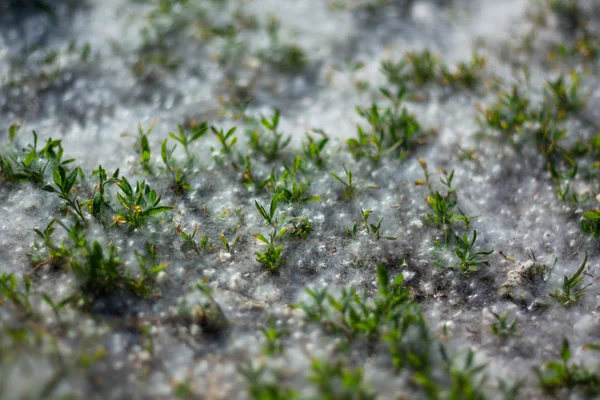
(273, 207)
(593, 215)
(158, 210)
(565, 351)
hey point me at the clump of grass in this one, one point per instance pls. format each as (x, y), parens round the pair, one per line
(271, 257)
(418, 69)
(63, 187)
(443, 215)
(467, 74)
(142, 146)
(301, 228)
(31, 163)
(186, 139)
(556, 376)
(101, 271)
(591, 222)
(313, 148)
(139, 203)
(265, 383)
(571, 291)
(20, 299)
(374, 230)
(509, 114)
(390, 317)
(98, 204)
(267, 139)
(469, 260)
(335, 381)
(288, 58)
(273, 337)
(502, 327)
(392, 131)
(350, 187)
(563, 97)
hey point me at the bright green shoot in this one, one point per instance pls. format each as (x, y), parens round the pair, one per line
(313, 148)
(554, 376)
(468, 259)
(350, 188)
(502, 327)
(138, 203)
(271, 258)
(570, 292)
(229, 246)
(186, 139)
(227, 139)
(269, 216)
(63, 186)
(273, 337)
(373, 229)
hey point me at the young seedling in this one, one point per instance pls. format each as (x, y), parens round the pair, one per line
(188, 238)
(273, 337)
(98, 203)
(557, 375)
(302, 227)
(260, 387)
(185, 139)
(391, 131)
(143, 147)
(469, 260)
(284, 57)
(19, 299)
(269, 217)
(31, 164)
(467, 74)
(571, 293)
(228, 247)
(502, 327)
(351, 232)
(509, 114)
(272, 142)
(443, 215)
(350, 188)
(64, 186)
(271, 258)
(372, 229)
(591, 222)
(563, 98)
(227, 140)
(314, 148)
(138, 203)
(100, 271)
(150, 267)
(334, 381)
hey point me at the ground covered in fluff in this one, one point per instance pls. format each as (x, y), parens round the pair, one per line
(316, 199)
